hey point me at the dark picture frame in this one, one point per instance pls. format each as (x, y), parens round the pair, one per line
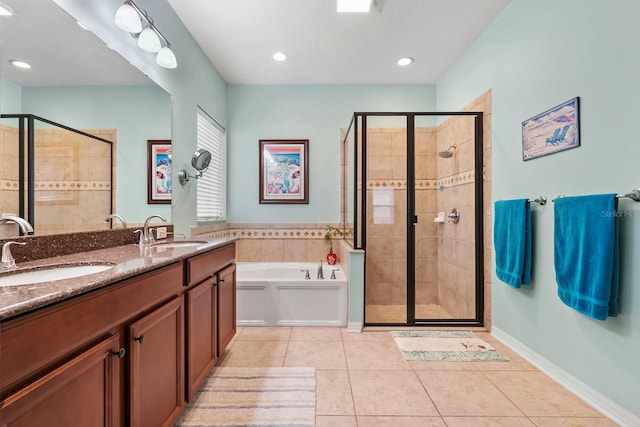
(557, 129)
(284, 171)
(158, 171)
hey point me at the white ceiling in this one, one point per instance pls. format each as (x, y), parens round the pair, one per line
(324, 47)
(240, 37)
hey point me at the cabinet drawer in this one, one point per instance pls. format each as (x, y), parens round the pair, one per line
(33, 342)
(205, 265)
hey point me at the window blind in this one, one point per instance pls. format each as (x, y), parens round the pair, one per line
(212, 186)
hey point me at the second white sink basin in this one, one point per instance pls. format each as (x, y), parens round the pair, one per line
(51, 274)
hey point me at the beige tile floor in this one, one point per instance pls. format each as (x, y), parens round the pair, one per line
(363, 380)
(378, 313)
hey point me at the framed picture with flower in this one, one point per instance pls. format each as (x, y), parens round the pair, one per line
(159, 171)
(284, 171)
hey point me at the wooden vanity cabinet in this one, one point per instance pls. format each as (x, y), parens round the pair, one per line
(202, 351)
(226, 307)
(82, 392)
(66, 364)
(156, 366)
(203, 307)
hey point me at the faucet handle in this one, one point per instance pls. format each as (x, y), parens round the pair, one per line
(333, 273)
(7, 260)
(306, 275)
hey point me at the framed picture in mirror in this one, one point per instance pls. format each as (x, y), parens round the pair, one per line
(284, 171)
(159, 171)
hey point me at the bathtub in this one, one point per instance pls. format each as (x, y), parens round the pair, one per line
(277, 294)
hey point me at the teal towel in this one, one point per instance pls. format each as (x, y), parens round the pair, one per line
(512, 241)
(586, 254)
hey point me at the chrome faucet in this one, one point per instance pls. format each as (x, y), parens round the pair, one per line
(146, 236)
(333, 273)
(7, 261)
(306, 274)
(24, 225)
(320, 274)
(116, 216)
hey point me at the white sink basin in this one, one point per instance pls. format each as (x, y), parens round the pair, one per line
(182, 244)
(48, 275)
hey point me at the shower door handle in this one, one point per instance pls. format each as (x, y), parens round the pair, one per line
(415, 219)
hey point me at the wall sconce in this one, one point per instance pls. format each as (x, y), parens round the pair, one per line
(129, 18)
(200, 161)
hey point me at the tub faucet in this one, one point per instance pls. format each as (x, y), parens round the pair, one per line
(306, 274)
(333, 273)
(146, 236)
(320, 274)
(116, 216)
(24, 225)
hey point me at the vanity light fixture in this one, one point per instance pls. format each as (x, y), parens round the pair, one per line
(6, 10)
(130, 17)
(353, 5)
(20, 64)
(279, 56)
(403, 62)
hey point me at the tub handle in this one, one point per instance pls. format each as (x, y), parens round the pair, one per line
(306, 276)
(333, 273)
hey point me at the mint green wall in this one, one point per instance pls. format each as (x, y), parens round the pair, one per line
(10, 97)
(313, 112)
(194, 83)
(138, 113)
(536, 55)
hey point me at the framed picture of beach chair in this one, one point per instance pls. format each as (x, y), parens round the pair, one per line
(557, 129)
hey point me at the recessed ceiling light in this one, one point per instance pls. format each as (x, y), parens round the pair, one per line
(405, 61)
(19, 64)
(279, 56)
(6, 10)
(353, 5)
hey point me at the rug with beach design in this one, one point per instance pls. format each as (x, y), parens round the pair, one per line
(445, 346)
(254, 397)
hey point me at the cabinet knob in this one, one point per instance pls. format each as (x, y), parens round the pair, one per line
(139, 339)
(221, 280)
(120, 353)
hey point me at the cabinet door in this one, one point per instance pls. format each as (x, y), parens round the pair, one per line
(201, 334)
(157, 366)
(82, 392)
(226, 307)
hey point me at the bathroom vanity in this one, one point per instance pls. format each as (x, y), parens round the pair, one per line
(130, 348)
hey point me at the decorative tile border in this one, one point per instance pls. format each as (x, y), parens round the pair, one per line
(7, 184)
(425, 184)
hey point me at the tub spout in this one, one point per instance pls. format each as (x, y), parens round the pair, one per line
(306, 275)
(320, 274)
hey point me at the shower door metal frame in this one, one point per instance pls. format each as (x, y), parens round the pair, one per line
(360, 232)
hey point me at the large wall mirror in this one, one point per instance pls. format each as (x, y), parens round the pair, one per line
(76, 81)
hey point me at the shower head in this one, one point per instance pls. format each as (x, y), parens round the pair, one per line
(445, 154)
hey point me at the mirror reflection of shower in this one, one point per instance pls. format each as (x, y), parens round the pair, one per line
(445, 154)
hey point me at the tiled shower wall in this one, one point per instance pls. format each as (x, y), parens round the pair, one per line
(72, 180)
(445, 252)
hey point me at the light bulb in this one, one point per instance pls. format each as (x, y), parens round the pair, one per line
(127, 19)
(166, 58)
(148, 40)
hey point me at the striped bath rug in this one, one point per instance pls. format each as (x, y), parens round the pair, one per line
(254, 397)
(445, 346)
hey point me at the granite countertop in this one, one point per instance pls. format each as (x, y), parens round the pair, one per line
(127, 260)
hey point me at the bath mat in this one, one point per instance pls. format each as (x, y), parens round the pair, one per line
(445, 346)
(254, 397)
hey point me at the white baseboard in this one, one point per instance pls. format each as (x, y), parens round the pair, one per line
(354, 327)
(601, 403)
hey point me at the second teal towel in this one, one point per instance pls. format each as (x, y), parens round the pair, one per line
(586, 254)
(512, 241)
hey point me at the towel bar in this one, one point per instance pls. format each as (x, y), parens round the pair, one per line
(633, 195)
(540, 200)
